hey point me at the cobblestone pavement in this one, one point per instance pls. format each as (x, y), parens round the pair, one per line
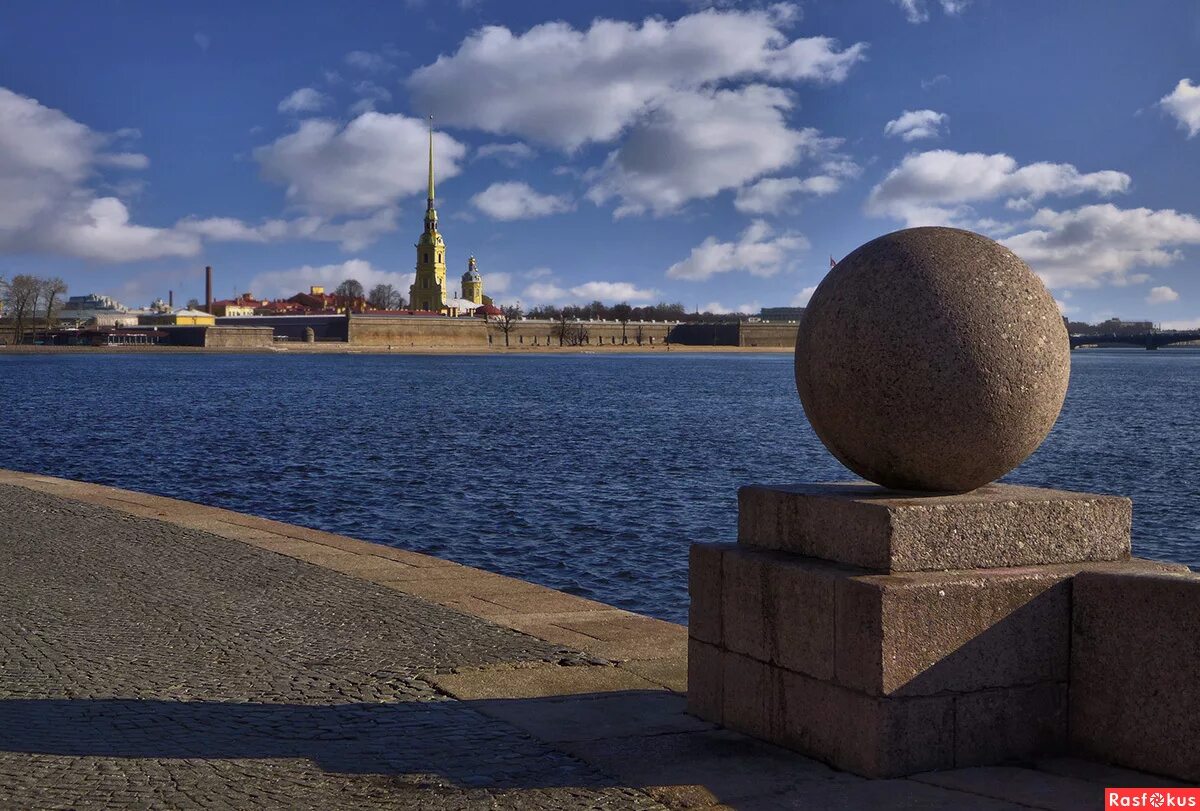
(152, 666)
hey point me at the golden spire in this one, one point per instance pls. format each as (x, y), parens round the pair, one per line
(431, 162)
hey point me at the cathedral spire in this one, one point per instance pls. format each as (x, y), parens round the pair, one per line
(430, 163)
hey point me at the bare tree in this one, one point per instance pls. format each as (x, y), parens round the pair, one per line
(622, 313)
(509, 316)
(385, 297)
(20, 302)
(193, 304)
(351, 288)
(53, 289)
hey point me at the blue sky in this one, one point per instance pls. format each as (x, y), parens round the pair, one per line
(714, 154)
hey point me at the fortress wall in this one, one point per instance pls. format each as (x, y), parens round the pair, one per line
(767, 334)
(419, 331)
(239, 337)
(599, 333)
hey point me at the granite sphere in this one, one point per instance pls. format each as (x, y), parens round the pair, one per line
(932, 359)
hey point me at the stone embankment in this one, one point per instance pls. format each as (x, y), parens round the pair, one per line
(156, 653)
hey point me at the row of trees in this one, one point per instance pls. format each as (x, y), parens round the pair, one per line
(24, 298)
(381, 297)
(625, 313)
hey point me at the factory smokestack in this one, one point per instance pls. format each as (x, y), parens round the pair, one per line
(171, 299)
(208, 289)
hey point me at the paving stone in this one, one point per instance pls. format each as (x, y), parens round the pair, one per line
(537, 681)
(596, 716)
(1025, 787)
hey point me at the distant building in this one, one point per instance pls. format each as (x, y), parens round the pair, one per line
(781, 313)
(102, 311)
(243, 305)
(316, 300)
(179, 318)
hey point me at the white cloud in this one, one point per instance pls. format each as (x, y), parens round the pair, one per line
(772, 194)
(699, 144)
(47, 161)
(1183, 103)
(285, 283)
(758, 251)
(304, 100)
(915, 124)
(518, 201)
(608, 292)
(801, 299)
(508, 154)
(612, 291)
(353, 234)
(567, 87)
(1161, 295)
(1098, 244)
(917, 12)
(229, 229)
(370, 163)
(496, 283)
(935, 188)
(202, 40)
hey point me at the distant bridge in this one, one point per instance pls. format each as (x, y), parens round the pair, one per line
(1150, 340)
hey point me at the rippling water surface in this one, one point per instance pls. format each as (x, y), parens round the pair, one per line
(589, 474)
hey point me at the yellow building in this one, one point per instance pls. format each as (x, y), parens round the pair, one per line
(179, 318)
(428, 290)
(472, 283)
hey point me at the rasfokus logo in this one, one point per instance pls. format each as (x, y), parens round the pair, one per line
(1151, 798)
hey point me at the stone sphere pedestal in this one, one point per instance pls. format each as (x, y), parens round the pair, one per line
(938, 625)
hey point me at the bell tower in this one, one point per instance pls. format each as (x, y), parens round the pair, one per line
(472, 283)
(428, 290)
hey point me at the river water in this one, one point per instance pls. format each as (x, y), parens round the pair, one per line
(589, 474)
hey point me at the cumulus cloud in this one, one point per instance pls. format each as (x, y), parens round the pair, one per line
(304, 100)
(1161, 295)
(609, 292)
(772, 194)
(1099, 244)
(353, 233)
(934, 188)
(370, 163)
(1183, 103)
(518, 201)
(282, 283)
(917, 11)
(47, 163)
(699, 144)
(567, 87)
(230, 229)
(913, 125)
(758, 251)
(801, 299)
(508, 154)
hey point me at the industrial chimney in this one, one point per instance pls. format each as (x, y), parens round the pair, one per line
(208, 289)
(171, 299)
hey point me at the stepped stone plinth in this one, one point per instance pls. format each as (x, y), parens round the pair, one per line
(889, 631)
